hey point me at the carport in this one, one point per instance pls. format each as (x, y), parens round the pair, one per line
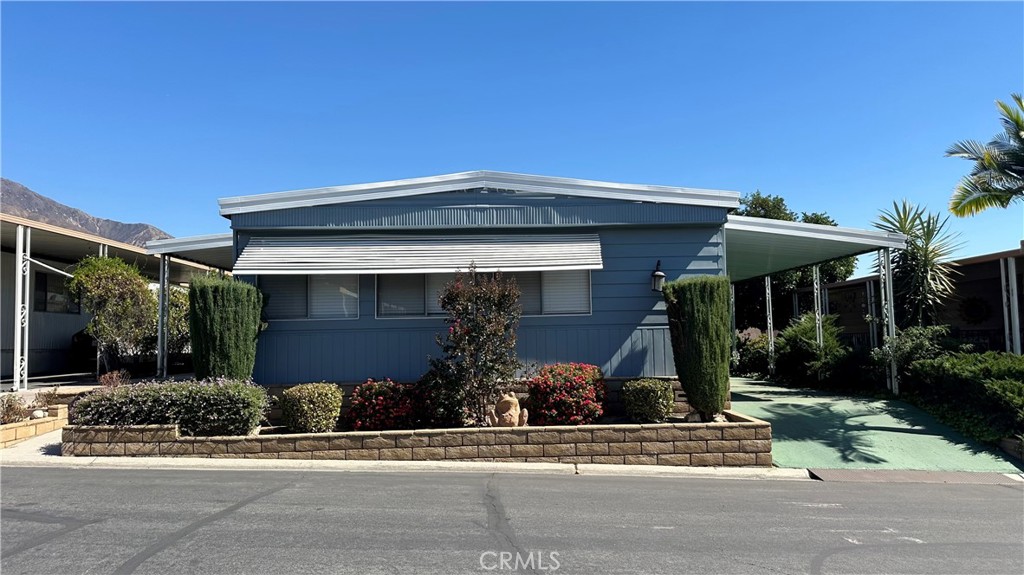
(45, 248)
(758, 247)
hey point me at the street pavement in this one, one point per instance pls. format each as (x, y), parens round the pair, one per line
(181, 521)
(811, 429)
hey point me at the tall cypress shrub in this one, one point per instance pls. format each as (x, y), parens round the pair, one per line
(224, 317)
(698, 315)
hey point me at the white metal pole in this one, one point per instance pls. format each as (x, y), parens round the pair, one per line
(872, 320)
(771, 326)
(165, 270)
(161, 298)
(19, 258)
(890, 321)
(1011, 271)
(818, 333)
(732, 314)
(26, 295)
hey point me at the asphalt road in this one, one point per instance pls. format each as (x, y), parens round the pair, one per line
(59, 520)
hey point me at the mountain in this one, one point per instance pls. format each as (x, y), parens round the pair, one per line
(17, 200)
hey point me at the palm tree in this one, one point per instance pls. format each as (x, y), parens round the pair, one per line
(922, 272)
(997, 178)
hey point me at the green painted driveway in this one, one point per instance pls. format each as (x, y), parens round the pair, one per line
(813, 429)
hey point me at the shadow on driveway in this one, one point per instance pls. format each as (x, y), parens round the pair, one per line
(817, 429)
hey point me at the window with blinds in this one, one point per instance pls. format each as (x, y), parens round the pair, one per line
(564, 292)
(312, 297)
(401, 295)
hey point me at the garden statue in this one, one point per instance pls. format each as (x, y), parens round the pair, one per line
(506, 413)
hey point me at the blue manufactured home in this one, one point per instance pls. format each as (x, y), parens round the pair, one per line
(352, 273)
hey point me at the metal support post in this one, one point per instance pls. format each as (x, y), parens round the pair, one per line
(871, 317)
(161, 356)
(732, 314)
(19, 312)
(771, 324)
(818, 333)
(885, 276)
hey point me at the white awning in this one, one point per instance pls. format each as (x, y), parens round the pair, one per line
(418, 254)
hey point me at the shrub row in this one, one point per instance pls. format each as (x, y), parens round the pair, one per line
(200, 408)
(561, 394)
(982, 394)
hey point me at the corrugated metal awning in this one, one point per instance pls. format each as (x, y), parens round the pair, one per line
(417, 254)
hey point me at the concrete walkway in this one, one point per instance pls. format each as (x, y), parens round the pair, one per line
(812, 429)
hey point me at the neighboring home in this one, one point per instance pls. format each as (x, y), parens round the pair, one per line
(985, 311)
(352, 273)
(53, 316)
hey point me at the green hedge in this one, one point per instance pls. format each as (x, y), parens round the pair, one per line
(224, 319)
(982, 394)
(648, 400)
(699, 323)
(312, 407)
(203, 408)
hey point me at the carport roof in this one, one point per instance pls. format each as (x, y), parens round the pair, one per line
(759, 246)
(67, 246)
(754, 246)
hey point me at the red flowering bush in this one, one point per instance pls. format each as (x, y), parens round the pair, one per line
(566, 394)
(380, 405)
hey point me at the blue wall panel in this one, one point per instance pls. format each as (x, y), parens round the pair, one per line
(626, 334)
(455, 210)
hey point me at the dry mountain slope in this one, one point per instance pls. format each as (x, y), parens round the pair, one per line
(17, 200)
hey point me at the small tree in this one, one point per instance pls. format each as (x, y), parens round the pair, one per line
(122, 307)
(698, 316)
(480, 346)
(224, 318)
(923, 271)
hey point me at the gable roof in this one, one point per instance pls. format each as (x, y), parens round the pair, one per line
(477, 180)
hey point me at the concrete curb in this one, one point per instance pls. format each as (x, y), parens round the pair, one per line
(42, 451)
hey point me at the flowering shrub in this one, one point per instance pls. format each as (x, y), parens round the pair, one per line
(311, 407)
(209, 407)
(566, 394)
(576, 372)
(380, 405)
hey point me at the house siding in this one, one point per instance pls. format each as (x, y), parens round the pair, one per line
(471, 209)
(626, 333)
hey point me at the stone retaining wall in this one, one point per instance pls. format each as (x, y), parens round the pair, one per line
(742, 441)
(14, 433)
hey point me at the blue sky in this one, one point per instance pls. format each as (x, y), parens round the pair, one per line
(150, 112)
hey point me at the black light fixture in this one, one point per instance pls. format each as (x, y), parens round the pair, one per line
(657, 278)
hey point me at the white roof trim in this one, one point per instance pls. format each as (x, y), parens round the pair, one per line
(172, 245)
(869, 238)
(474, 180)
(369, 254)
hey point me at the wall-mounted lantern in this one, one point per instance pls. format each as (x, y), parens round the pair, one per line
(657, 278)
